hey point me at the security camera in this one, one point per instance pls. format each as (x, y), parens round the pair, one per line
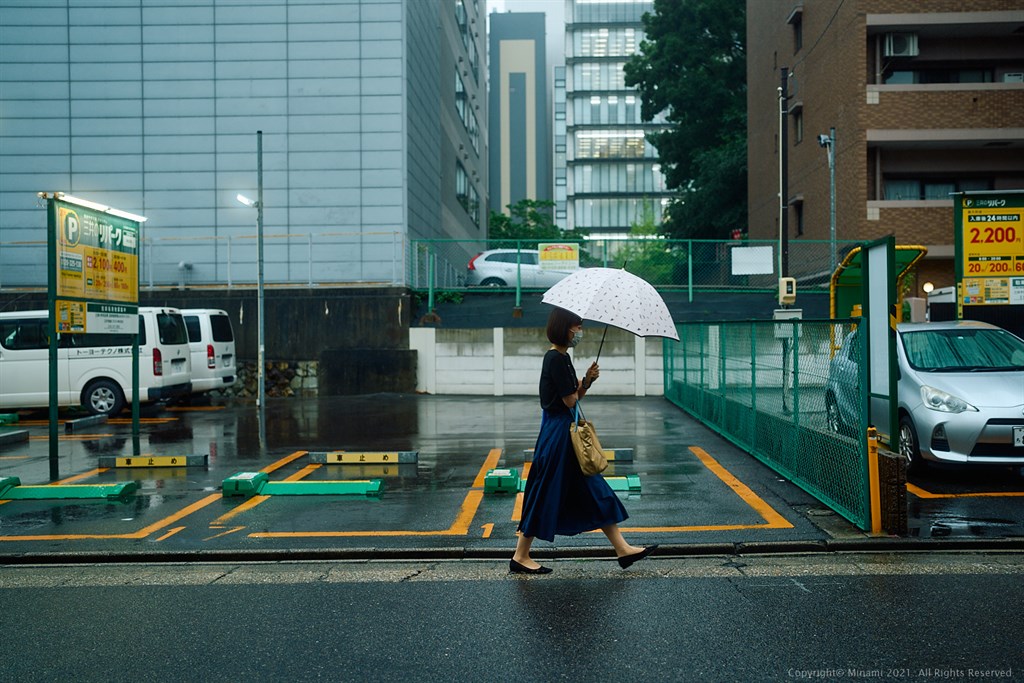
(824, 140)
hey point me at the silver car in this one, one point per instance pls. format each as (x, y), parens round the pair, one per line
(506, 267)
(960, 393)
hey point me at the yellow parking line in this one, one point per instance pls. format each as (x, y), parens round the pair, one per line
(489, 464)
(921, 493)
(170, 533)
(460, 527)
(83, 475)
(142, 533)
(301, 474)
(283, 461)
(773, 520)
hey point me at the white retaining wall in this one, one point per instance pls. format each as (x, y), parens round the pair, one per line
(506, 361)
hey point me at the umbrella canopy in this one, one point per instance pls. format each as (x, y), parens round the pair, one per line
(614, 297)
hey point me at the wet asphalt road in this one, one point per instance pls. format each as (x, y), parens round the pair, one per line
(437, 506)
(838, 617)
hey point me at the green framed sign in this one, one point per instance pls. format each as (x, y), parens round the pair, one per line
(989, 234)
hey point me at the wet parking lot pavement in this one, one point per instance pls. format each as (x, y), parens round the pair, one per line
(685, 487)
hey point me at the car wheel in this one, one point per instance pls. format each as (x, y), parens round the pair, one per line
(832, 416)
(103, 397)
(493, 282)
(908, 444)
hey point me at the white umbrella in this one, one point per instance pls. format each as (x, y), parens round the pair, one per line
(614, 297)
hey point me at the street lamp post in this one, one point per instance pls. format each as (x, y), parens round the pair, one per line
(260, 346)
(829, 143)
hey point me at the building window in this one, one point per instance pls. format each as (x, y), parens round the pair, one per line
(465, 111)
(466, 194)
(796, 22)
(798, 216)
(604, 144)
(917, 189)
(798, 126)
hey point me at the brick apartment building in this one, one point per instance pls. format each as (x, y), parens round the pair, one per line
(926, 99)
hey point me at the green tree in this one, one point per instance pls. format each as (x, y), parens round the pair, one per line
(648, 254)
(692, 66)
(527, 220)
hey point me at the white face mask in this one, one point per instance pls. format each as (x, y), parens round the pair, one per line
(577, 338)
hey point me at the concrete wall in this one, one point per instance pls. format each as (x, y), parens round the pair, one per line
(506, 361)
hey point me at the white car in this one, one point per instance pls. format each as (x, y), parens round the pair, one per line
(211, 340)
(93, 370)
(960, 393)
(507, 267)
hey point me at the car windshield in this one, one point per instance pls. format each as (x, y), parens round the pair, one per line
(963, 350)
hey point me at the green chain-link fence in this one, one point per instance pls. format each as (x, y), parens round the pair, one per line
(697, 265)
(782, 392)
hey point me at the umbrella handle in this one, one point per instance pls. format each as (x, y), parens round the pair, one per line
(602, 343)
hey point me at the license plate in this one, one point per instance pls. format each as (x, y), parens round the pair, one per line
(1018, 437)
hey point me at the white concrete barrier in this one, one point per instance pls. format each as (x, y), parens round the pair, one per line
(506, 361)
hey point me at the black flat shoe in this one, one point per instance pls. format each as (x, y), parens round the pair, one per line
(516, 568)
(627, 560)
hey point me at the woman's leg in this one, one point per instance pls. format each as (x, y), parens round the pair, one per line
(522, 554)
(618, 542)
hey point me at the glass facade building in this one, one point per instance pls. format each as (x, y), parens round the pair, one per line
(520, 143)
(372, 112)
(607, 175)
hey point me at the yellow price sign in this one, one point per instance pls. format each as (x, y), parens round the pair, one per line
(993, 242)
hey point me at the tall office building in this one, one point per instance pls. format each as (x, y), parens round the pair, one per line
(372, 113)
(607, 176)
(926, 99)
(520, 142)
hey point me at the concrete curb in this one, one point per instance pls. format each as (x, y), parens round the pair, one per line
(831, 546)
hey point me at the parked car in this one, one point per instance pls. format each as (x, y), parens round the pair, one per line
(500, 268)
(960, 392)
(211, 340)
(93, 370)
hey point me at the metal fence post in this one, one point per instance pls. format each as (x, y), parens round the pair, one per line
(689, 268)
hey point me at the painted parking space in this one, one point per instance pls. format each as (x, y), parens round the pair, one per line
(680, 483)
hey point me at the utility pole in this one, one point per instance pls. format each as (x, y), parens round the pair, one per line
(783, 172)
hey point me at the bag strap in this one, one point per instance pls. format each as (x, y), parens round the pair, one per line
(577, 412)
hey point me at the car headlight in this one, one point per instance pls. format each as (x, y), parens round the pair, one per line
(939, 400)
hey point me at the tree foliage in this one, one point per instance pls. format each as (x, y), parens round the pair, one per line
(528, 220)
(692, 66)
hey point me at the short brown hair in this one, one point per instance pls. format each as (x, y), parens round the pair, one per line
(559, 323)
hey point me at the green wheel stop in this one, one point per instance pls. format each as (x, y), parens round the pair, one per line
(244, 484)
(15, 491)
(258, 483)
(8, 418)
(504, 480)
(355, 487)
(629, 483)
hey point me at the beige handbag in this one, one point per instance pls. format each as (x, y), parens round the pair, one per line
(584, 441)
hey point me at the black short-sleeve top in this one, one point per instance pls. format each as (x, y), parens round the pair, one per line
(557, 379)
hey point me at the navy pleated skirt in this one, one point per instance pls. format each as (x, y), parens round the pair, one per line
(558, 498)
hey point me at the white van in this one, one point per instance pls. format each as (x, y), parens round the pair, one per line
(212, 341)
(93, 370)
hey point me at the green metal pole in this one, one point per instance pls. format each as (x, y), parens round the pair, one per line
(431, 258)
(519, 275)
(51, 303)
(136, 445)
(689, 268)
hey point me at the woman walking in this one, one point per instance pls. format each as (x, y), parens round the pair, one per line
(558, 498)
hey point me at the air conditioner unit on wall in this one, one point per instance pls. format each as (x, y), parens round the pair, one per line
(900, 45)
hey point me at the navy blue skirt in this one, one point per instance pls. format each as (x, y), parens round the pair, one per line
(558, 498)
